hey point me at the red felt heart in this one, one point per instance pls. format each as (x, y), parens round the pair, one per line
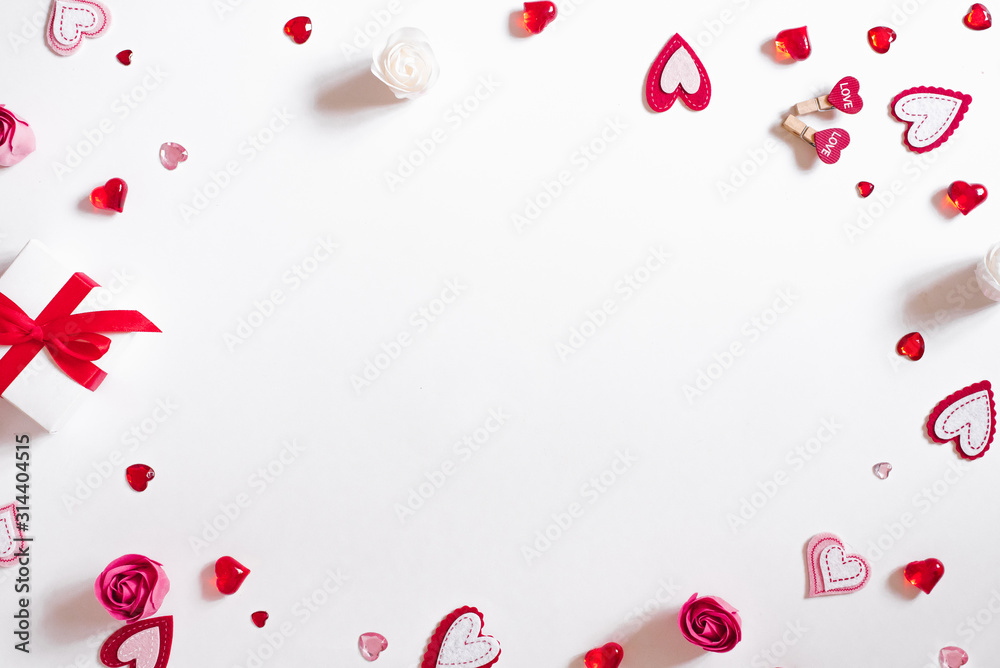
(537, 15)
(829, 144)
(845, 96)
(911, 345)
(978, 17)
(608, 656)
(880, 38)
(229, 575)
(110, 196)
(677, 72)
(142, 644)
(966, 196)
(924, 574)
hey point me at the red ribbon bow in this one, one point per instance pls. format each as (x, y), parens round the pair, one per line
(73, 341)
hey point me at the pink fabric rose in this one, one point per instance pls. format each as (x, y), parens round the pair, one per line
(16, 138)
(132, 587)
(710, 623)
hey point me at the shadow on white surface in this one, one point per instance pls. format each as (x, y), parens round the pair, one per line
(805, 153)
(947, 295)
(943, 204)
(14, 421)
(75, 613)
(516, 24)
(86, 206)
(209, 591)
(897, 584)
(658, 644)
(352, 92)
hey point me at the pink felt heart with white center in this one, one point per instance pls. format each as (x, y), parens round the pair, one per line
(968, 417)
(72, 20)
(677, 72)
(831, 569)
(932, 113)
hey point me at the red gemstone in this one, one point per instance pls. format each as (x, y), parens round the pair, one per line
(924, 574)
(229, 575)
(880, 38)
(537, 15)
(125, 57)
(608, 656)
(110, 196)
(138, 476)
(793, 43)
(966, 196)
(299, 29)
(259, 618)
(978, 17)
(865, 188)
(911, 345)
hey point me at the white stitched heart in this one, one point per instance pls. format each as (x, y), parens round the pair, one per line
(840, 571)
(463, 647)
(680, 70)
(72, 21)
(969, 418)
(930, 115)
(143, 648)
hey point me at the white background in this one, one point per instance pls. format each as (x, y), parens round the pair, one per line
(830, 356)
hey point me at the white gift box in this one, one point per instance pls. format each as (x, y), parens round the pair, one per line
(42, 390)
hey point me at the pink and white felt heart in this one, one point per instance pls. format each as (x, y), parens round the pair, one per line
(829, 144)
(677, 72)
(458, 642)
(932, 114)
(11, 536)
(831, 569)
(143, 644)
(72, 20)
(846, 96)
(968, 416)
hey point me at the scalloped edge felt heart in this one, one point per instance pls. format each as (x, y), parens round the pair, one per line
(59, 13)
(14, 536)
(963, 434)
(443, 641)
(681, 58)
(111, 646)
(948, 125)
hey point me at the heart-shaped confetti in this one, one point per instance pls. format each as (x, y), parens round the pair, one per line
(880, 38)
(110, 196)
(172, 154)
(831, 569)
(881, 470)
(829, 144)
(952, 657)
(846, 96)
(608, 656)
(967, 417)
(925, 574)
(72, 20)
(537, 15)
(459, 641)
(911, 345)
(229, 575)
(793, 43)
(371, 645)
(978, 17)
(966, 196)
(677, 72)
(142, 644)
(932, 115)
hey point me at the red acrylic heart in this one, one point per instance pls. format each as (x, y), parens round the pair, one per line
(125, 57)
(608, 656)
(110, 196)
(829, 144)
(537, 15)
(966, 196)
(138, 476)
(924, 574)
(229, 575)
(880, 38)
(793, 43)
(978, 17)
(865, 188)
(299, 29)
(845, 96)
(259, 618)
(911, 345)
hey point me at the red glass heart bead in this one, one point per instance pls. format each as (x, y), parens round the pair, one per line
(880, 38)
(138, 476)
(125, 57)
(793, 43)
(608, 656)
(299, 29)
(911, 345)
(924, 574)
(537, 15)
(110, 196)
(229, 575)
(259, 618)
(978, 17)
(865, 188)
(966, 196)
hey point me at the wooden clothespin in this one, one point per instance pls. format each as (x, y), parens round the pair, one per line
(795, 125)
(844, 96)
(828, 143)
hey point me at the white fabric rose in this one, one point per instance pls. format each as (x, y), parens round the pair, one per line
(988, 273)
(407, 64)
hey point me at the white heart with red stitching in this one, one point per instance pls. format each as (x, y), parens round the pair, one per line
(930, 115)
(463, 646)
(680, 70)
(143, 648)
(840, 571)
(970, 418)
(72, 20)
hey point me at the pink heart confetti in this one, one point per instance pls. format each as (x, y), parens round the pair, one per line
(371, 645)
(172, 154)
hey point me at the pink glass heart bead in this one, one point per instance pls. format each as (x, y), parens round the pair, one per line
(371, 645)
(172, 154)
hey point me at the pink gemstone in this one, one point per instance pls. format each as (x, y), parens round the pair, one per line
(138, 476)
(952, 657)
(865, 188)
(371, 645)
(881, 470)
(172, 154)
(259, 618)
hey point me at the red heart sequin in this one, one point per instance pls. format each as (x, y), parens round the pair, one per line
(299, 29)
(865, 188)
(911, 345)
(229, 575)
(966, 196)
(978, 17)
(793, 43)
(537, 15)
(880, 38)
(110, 196)
(608, 656)
(259, 618)
(924, 574)
(125, 57)
(138, 476)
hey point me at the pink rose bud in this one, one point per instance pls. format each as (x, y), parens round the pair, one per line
(710, 623)
(16, 138)
(132, 587)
